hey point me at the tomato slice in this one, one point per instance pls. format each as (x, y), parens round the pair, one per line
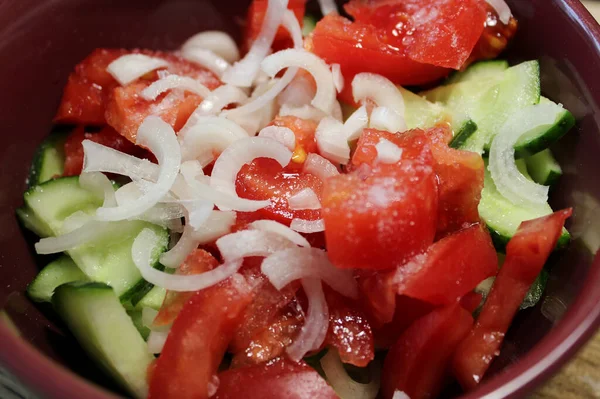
(392, 206)
(197, 262)
(265, 179)
(304, 131)
(450, 268)
(526, 254)
(281, 379)
(107, 136)
(496, 36)
(198, 340)
(349, 331)
(256, 16)
(460, 177)
(418, 362)
(471, 301)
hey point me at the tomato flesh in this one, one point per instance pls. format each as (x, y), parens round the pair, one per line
(304, 131)
(256, 16)
(390, 206)
(417, 363)
(526, 254)
(280, 379)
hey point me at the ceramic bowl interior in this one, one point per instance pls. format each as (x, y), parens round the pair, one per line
(41, 41)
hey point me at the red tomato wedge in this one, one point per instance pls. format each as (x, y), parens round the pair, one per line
(197, 262)
(460, 177)
(107, 136)
(379, 295)
(349, 331)
(451, 267)
(265, 179)
(256, 16)
(526, 254)
(471, 301)
(281, 379)
(304, 130)
(198, 340)
(392, 206)
(417, 364)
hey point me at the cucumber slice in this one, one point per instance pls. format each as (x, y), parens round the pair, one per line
(49, 159)
(479, 71)
(490, 102)
(136, 318)
(106, 260)
(533, 296)
(543, 168)
(32, 222)
(503, 217)
(152, 299)
(539, 139)
(308, 25)
(62, 270)
(96, 318)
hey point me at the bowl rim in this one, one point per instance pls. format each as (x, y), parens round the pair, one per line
(43, 375)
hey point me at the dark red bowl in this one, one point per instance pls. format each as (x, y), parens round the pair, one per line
(41, 40)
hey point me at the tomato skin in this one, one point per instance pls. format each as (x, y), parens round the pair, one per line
(197, 262)
(471, 301)
(460, 177)
(198, 340)
(280, 379)
(526, 254)
(394, 206)
(107, 136)
(256, 16)
(349, 331)
(265, 179)
(417, 363)
(451, 267)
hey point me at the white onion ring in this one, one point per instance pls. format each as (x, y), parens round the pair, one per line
(100, 185)
(89, 232)
(281, 134)
(171, 82)
(160, 138)
(386, 119)
(388, 152)
(238, 154)
(307, 112)
(207, 59)
(342, 383)
(379, 89)
(130, 67)
(281, 229)
(307, 226)
(331, 141)
(502, 9)
(313, 332)
(338, 78)
(243, 72)
(328, 7)
(304, 199)
(247, 243)
(99, 158)
(356, 123)
(400, 395)
(292, 264)
(298, 93)
(320, 167)
(141, 252)
(156, 341)
(218, 42)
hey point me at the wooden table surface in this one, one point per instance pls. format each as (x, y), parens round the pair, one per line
(581, 377)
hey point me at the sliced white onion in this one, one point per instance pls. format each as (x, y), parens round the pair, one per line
(509, 181)
(198, 211)
(171, 82)
(141, 252)
(281, 229)
(331, 141)
(89, 232)
(291, 24)
(217, 225)
(160, 138)
(306, 111)
(307, 226)
(281, 134)
(238, 154)
(356, 123)
(298, 93)
(338, 78)
(99, 158)
(211, 135)
(242, 73)
(304, 199)
(186, 244)
(388, 152)
(218, 42)
(206, 58)
(156, 341)
(320, 167)
(130, 67)
(328, 7)
(386, 119)
(164, 215)
(342, 383)
(246, 243)
(75, 221)
(297, 58)
(502, 9)
(313, 332)
(213, 385)
(191, 169)
(100, 185)
(379, 89)
(292, 264)
(400, 395)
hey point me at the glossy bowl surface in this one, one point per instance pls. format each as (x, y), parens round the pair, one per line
(41, 41)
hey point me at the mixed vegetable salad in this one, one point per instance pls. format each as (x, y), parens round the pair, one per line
(287, 219)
